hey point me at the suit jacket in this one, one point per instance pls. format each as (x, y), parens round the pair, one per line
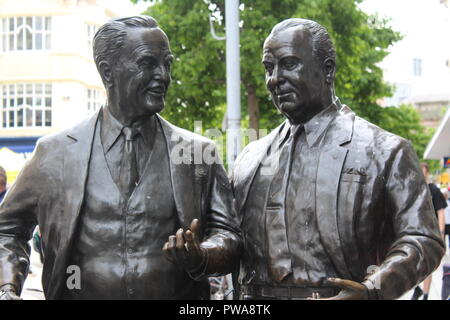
(373, 207)
(49, 191)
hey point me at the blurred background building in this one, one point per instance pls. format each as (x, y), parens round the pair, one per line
(419, 67)
(439, 149)
(48, 78)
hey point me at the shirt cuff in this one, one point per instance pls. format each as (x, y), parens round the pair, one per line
(198, 273)
(372, 292)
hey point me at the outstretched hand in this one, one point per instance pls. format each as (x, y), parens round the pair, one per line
(350, 290)
(8, 292)
(184, 247)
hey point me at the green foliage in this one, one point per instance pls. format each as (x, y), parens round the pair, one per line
(198, 88)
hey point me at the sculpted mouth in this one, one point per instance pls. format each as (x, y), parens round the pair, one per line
(283, 95)
(156, 91)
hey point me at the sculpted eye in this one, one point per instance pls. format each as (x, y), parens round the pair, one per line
(147, 62)
(168, 64)
(268, 66)
(289, 63)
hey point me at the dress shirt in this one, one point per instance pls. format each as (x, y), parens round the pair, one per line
(113, 142)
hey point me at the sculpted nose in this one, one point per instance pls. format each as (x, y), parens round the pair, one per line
(161, 74)
(275, 79)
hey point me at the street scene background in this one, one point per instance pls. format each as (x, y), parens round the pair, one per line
(393, 69)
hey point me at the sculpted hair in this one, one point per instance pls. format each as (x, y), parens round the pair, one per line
(109, 38)
(322, 46)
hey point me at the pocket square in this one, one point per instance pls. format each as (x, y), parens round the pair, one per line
(355, 171)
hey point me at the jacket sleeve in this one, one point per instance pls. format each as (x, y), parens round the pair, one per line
(417, 248)
(18, 219)
(222, 239)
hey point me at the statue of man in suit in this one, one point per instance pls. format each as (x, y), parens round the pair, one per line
(330, 205)
(109, 193)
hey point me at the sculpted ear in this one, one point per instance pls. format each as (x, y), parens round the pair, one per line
(329, 68)
(106, 73)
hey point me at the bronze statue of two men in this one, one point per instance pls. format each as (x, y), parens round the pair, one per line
(327, 206)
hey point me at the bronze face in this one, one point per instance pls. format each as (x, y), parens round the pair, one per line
(142, 72)
(294, 78)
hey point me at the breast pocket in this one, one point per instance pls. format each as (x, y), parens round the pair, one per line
(351, 189)
(357, 178)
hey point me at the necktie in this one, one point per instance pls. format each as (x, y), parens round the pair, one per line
(129, 175)
(280, 264)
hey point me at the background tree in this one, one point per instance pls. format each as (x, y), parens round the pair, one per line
(405, 121)
(199, 72)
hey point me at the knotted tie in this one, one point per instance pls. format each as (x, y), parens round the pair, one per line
(280, 264)
(129, 176)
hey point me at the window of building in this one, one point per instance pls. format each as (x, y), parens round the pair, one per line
(417, 67)
(26, 105)
(91, 30)
(25, 33)
(95, 100)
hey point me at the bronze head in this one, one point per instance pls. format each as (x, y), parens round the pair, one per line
(299, 59)
(133, 58)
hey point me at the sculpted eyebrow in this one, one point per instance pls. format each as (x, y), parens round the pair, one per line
(290, 58)
(267, 58)
(149, 56)
(145, 57)
(267, 61)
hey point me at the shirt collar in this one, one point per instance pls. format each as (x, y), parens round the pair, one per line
(111, 129)
(315, 127)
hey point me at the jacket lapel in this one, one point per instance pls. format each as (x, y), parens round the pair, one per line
(331, 161)
(247, 166)
(75, 170)
(182, 175)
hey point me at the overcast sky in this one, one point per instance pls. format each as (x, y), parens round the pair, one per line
(424, 24)
(142, 6)
(425, 27)
(418, 16)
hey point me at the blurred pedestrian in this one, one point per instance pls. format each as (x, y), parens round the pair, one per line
(445, 293)
(37, 243)
(439, 204)
(446, 193)
(3, 181)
